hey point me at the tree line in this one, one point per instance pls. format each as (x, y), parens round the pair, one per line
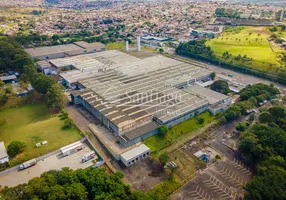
(264, 145)
(199, 50)
(250, 97)
(82, 184)
(14, 58)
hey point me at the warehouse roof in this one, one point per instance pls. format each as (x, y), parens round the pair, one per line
(7, 78)
(211, 96)
(42, 51)
(140, 131)
(85, 45)
(131, 154)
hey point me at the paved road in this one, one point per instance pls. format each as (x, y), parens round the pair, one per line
(243, 78)
(82, 123)
(55, 162)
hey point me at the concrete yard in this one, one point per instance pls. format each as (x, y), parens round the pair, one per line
(55, 162)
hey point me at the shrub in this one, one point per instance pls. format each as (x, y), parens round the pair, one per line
(68, 123)
(15, 148)
(164, 158)
(163, 130)
(241, 127)
(201, 120)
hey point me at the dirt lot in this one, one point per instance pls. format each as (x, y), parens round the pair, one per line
(55, 162)
(144, 175)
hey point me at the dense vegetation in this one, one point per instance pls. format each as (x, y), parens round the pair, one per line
(13, 57)
(222, 12)
(81, 184)
(250, 97)
(220, 86)
(197, 47)
(264, 146)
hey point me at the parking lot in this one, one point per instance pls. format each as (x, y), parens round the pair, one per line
(223, 179)
(55, 162)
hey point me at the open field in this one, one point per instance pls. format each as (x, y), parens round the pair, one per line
(31, 124)
(250, 41)
(158, 142)
(115, 46)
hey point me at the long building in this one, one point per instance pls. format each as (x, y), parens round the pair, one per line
(60, 51)
(133, 97)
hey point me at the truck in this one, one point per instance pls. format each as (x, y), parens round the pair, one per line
(88, 156)
(28, 164)
(72, 148)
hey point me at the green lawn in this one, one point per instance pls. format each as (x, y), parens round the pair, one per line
(32, 124)
(115, 46)
(250, 41)
(158, 142)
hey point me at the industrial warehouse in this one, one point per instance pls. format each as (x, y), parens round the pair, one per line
(60, 51)
(132, 97)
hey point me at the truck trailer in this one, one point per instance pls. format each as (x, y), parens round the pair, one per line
(88, 156)
(69, 149)
(28, 164)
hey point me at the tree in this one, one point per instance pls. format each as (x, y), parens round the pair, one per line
(164, 158)
(277, 112)
(54, 98)
(68, 123)
(201, 120)
(241, 126)
(42, 83)
(265, 118)
(163, 130)
(1, 83)
(161, 50)
(15, 148)
(82, 184)
(220, 86)
(213, 75)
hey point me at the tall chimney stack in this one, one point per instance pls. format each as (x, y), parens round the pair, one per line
(139, 43)
(127, 46)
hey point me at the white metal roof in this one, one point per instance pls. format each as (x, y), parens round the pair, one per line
(3, 152)
(136, 151)
(70, 147)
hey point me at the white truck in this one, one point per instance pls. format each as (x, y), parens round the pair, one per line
(27, 164)
(88, 156)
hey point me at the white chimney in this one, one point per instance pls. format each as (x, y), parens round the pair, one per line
(139, 43)
(127, 46)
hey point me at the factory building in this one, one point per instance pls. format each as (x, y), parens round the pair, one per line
(61, 51)
(132, 97)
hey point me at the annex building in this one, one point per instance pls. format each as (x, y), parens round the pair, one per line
(60, 51)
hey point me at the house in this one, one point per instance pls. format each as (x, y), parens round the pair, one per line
(3, 154)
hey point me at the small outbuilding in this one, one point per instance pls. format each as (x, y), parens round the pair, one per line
(134, 155)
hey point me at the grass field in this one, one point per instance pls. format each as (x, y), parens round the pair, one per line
(250, 41)
(115, 46)
(158, 142)
(32, 124)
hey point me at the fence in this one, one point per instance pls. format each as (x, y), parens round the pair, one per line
(38, 159)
